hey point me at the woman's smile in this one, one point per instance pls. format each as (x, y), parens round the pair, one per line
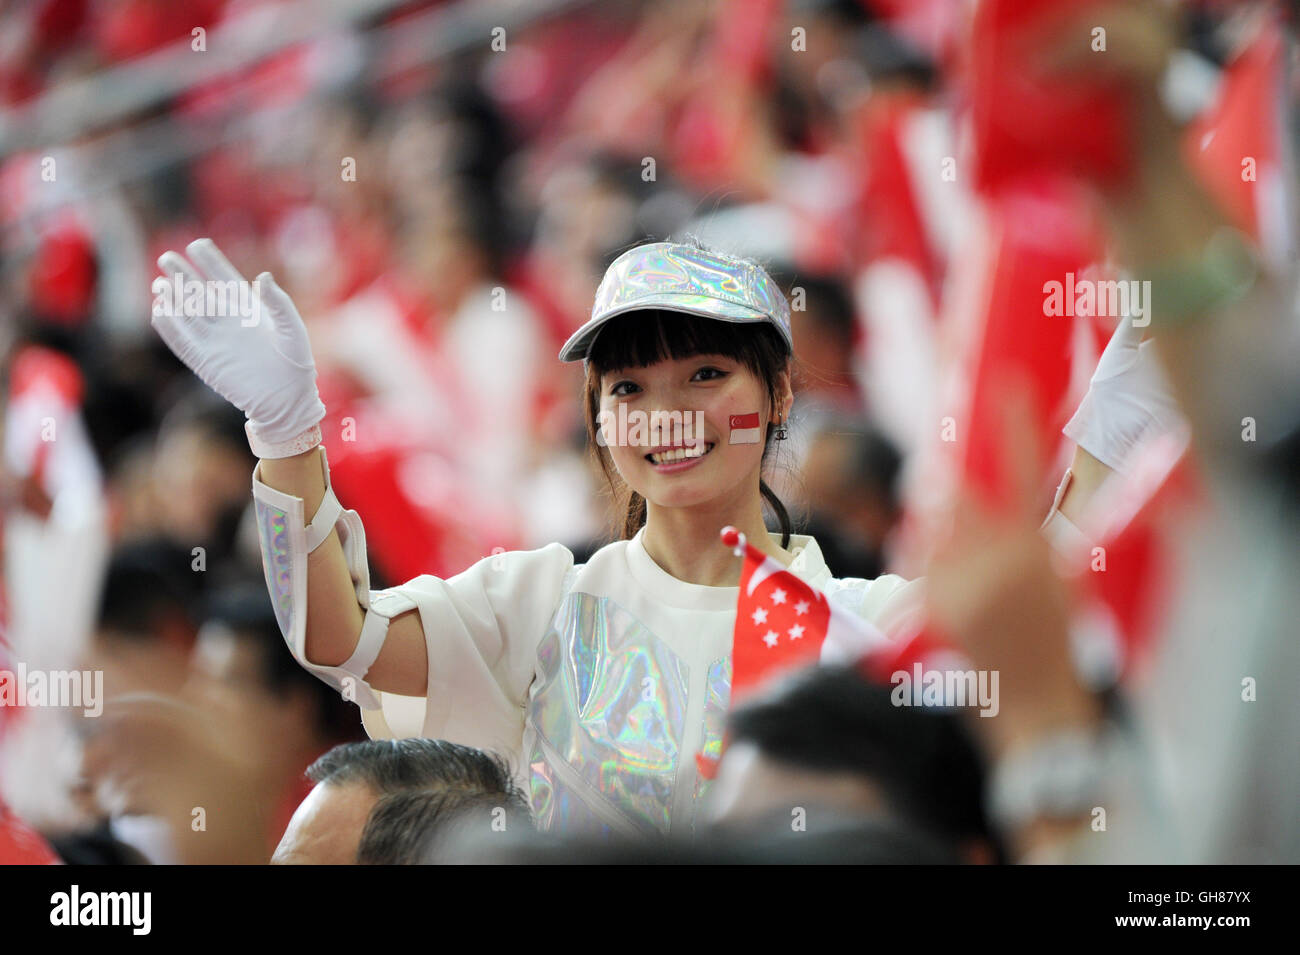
(672, 460)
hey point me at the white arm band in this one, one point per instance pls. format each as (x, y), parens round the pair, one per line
(286, 542)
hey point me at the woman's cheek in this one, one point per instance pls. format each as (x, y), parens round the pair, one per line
(625, 459)
(737, 420)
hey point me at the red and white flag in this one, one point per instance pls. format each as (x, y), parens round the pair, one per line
(782, 624)
(744, 428)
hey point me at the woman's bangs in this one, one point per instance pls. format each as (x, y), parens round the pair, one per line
(639, 339)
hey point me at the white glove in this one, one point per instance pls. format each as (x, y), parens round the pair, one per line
(254, 353)
(1127, 397)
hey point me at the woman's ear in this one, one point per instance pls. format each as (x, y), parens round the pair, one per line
(784, 396)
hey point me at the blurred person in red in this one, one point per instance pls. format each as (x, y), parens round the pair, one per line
(410, 348)
(1190, 759)
(55, 523)
(49, 450)
(419, 342)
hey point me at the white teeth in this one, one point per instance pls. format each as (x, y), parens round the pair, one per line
(678, 454)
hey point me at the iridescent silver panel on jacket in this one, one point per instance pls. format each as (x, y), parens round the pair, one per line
(609, 708)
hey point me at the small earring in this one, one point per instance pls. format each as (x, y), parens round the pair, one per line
(781, 432)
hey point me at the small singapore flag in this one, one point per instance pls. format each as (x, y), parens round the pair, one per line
(783, 623)
(744, 428)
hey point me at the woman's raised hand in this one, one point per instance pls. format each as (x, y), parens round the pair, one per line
(245, 340)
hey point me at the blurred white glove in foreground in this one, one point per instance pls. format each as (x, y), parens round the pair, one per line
(1127, 398)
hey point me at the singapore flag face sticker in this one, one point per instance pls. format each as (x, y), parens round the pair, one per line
(744, 428)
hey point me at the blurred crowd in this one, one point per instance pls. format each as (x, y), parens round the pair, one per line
(440, 201)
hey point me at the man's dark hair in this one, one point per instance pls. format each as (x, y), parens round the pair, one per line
(215, 419)
(460, 784)
(831, 719)
(244, 606)
(828, 302)
(400, 765)
(875, 463)
(147, 583)
(414, 827)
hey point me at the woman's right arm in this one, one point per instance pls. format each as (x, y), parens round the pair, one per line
(250, 345)
(334, 617)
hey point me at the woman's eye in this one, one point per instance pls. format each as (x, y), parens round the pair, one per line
(709, 373)
(622, 389)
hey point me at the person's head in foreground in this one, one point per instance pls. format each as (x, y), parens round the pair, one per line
(702, 339)
(426, 827)
(364, 807)
(825, 751)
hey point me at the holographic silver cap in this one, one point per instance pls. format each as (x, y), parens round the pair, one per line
(683, 278)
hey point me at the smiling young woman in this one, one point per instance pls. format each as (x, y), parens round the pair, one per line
(598, 681)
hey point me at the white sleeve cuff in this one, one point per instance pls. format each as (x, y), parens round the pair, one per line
(299, 443)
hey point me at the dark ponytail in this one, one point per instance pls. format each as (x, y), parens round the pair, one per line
(782, 515)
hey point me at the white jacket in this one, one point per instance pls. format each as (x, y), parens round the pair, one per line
(600, 682)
